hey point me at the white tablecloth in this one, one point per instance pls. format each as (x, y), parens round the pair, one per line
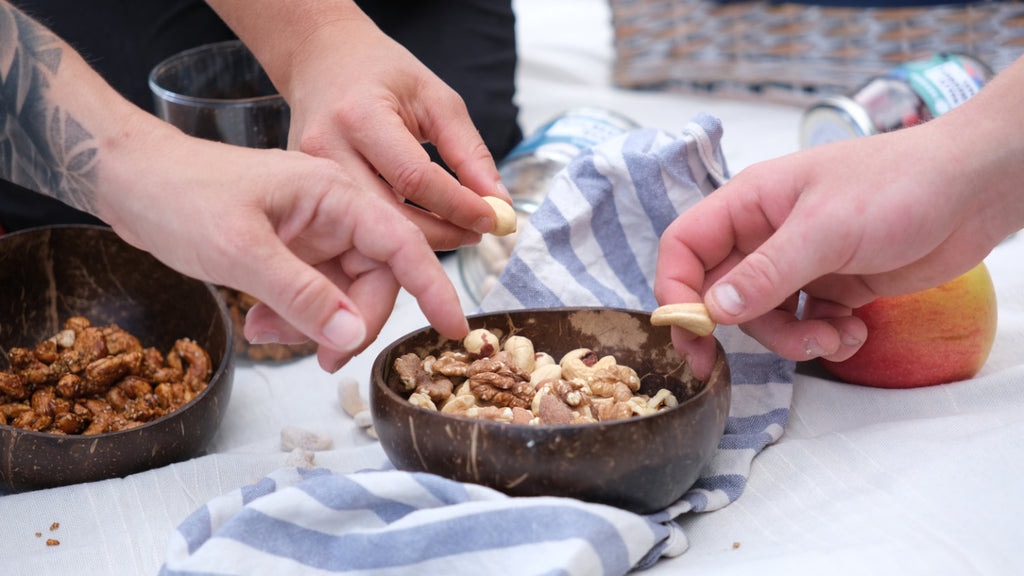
(863, 481)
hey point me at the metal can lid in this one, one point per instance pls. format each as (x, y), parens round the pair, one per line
(834, 118)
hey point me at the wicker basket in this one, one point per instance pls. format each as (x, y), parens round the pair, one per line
(796, 53)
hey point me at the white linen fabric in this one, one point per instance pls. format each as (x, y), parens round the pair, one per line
(592, 242)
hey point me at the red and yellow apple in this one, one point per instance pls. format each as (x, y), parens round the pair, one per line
(943, 334)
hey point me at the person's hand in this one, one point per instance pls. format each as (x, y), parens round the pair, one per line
(362, 100)
(325, 260)
(842, 224)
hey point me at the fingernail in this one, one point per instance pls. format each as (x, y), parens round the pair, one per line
(849, 339)
(484, 225)
(813, 349)
(265, 338)
(728, 299)
(502, 191)
(344, 331)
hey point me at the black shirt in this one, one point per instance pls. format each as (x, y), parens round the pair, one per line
(470, 44)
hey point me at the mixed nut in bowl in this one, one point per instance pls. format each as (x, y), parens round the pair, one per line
(110, 362)
(608, 412)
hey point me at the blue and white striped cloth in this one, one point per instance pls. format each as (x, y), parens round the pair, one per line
(592, 242)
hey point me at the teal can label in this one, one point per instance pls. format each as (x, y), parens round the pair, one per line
(943, 82)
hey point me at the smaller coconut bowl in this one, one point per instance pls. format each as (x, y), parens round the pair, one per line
(642, 464)
(50, 274)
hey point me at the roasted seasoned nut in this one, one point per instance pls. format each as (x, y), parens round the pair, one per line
(70, 361)
(90, 380)
(199, 364)
(44, 401)
(143, 409)
(13, 386)
(91, 344)
(117, 398)
(101, 373)
(118, 341)
(21, 358)
(12, 410)
(71, 386)
(46, 351)
(76, 324)
(69, 423)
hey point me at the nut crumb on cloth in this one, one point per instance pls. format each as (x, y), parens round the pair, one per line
(293, 437)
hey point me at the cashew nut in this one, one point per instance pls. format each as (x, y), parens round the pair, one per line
(546, 372)
(348, 396)
(581, 364)
(692, 316)
(664, 397)
(542, 359)
(458, 404)
(505, 220)
(520, 349)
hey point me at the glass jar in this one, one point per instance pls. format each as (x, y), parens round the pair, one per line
(528, 171)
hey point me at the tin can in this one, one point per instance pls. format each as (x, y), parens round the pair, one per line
(528, 171)
(908, 94)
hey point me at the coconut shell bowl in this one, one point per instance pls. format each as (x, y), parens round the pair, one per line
(642, 463)
(53, 274)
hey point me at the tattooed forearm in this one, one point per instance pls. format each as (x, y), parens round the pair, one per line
(41, 146)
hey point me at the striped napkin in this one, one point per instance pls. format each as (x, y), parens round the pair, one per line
(592, 242)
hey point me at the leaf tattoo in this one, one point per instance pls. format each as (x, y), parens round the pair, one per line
(41, 146)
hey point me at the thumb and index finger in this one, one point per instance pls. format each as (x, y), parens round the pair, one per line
(309, 301)
(745, 251)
